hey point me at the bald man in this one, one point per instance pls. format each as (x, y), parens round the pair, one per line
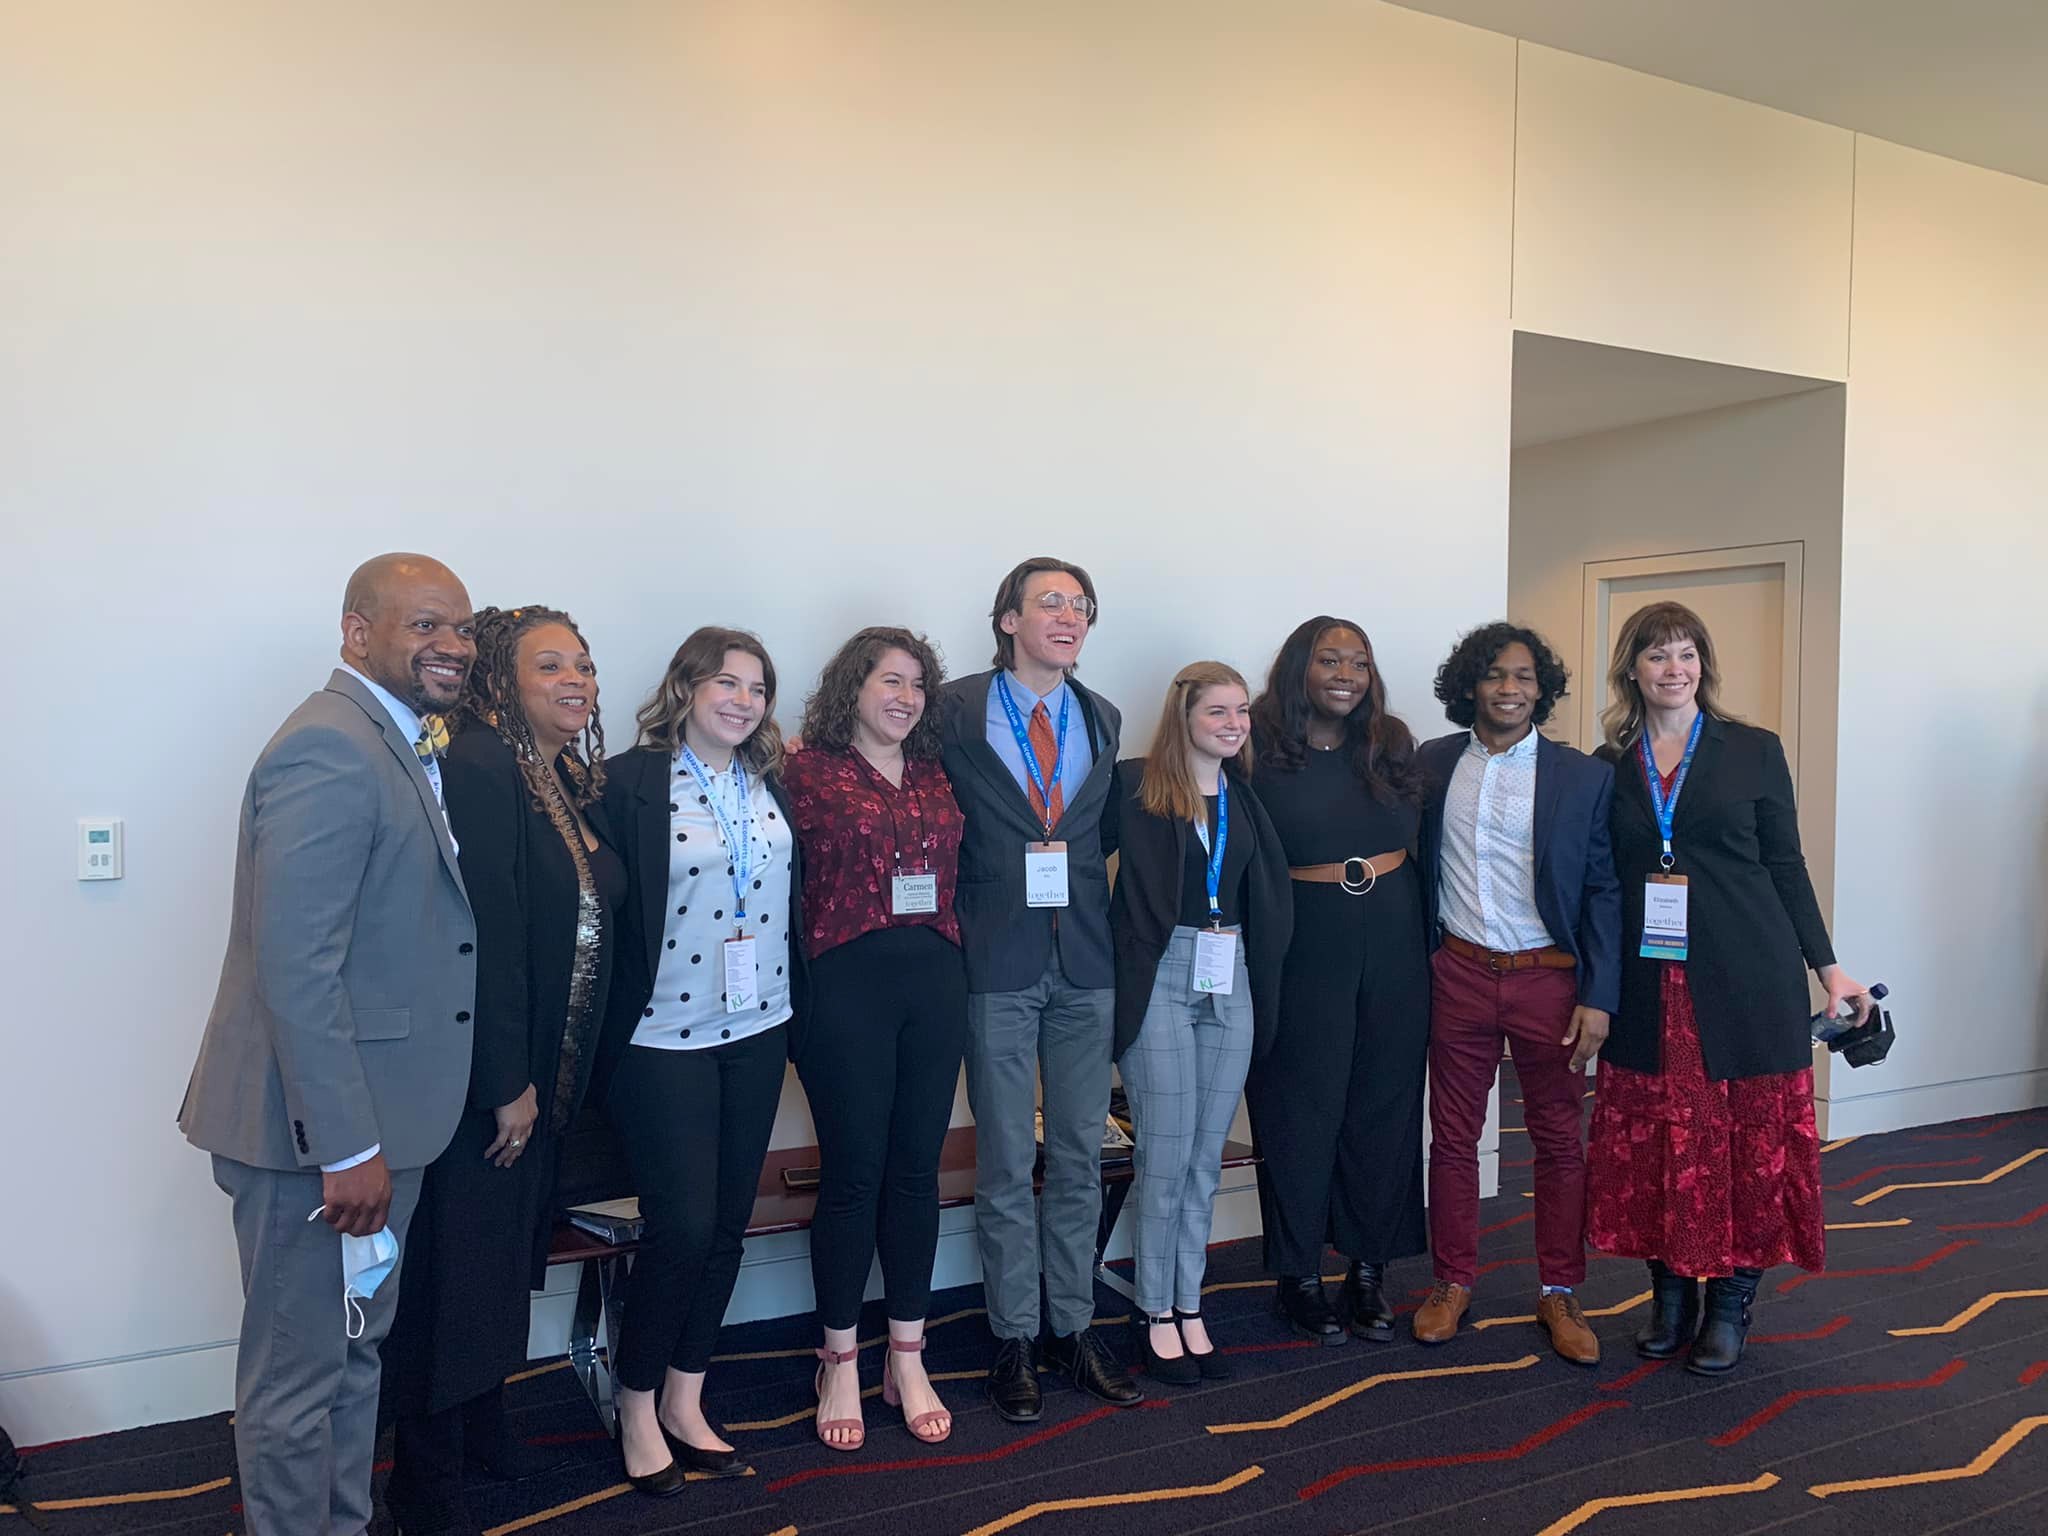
(336, 1059)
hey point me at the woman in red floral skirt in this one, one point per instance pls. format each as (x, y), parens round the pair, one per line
(1704, 1159)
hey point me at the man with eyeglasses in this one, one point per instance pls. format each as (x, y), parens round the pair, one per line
(1032, 758)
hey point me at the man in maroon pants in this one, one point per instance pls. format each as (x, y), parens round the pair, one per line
(1525, 912)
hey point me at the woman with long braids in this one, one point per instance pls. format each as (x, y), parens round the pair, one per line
(1336, 1105)
(522, 774)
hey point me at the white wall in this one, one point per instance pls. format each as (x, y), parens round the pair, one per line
(1941, 883)
(797, 316)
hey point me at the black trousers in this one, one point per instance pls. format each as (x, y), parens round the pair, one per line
(696, 1127)
(1336, 1105)
(881, 1058)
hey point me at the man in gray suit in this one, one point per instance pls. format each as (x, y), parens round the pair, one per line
(1032, 759)
(336, 1059)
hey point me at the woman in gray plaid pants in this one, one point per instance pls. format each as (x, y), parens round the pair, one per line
(1201, 916)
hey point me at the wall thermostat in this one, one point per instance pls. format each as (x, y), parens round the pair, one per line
(99, 849)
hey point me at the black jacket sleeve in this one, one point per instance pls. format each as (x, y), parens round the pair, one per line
(487, 813)
(1600, 920)
(1777, 835)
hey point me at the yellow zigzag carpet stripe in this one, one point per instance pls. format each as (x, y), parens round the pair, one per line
(1587, 1511)
(109, 1500)
(1614, 1311)
(1990, 1178)
(1968, 1315)
(1977, 1467)
(1343, 1394)
(1116, 1500)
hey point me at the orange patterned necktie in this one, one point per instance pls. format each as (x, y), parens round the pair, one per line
(1046, 748)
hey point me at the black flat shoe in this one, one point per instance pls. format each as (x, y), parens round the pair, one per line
(1181, 1371)
(1363, 1307)
(1093, 1368)
(1012, 1384)
(1210, 1361)
(1674, 1315)
(1725, 1329)
(706, 1463)
(1300, 1302)
(665, 1484)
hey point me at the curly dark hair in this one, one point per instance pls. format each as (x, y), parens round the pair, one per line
(1382, 747)
(831, 710)
(1459, 676)
(491, 698)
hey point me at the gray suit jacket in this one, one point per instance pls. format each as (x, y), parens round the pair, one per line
(342, 1018)
(1006, 943)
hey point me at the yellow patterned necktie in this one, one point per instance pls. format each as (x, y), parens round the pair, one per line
(432, 740)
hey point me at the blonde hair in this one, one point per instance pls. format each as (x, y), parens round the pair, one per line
(1659, 624)
(1169, 790)
(697, 660)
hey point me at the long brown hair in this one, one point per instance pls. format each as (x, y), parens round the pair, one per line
(491, 698)
(1659, 624)
(1010, 599)
(1381, 746)
(697, 660)
(1169, 790)
(832, 708)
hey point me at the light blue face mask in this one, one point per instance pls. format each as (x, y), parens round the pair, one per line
(366, 1262)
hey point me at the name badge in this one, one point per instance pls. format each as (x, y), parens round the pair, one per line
(739, 974)
(1045, 875)
(1664, 918)
(910, 895)
(1215, 962)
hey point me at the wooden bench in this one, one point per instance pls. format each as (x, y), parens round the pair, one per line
(780, 1208)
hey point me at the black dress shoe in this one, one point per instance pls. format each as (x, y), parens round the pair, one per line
(1674, 1314)
(1210, 1362)
(1094, 1369)
(1300, 1300)
(665, 1484)
(1364, 1306)
(1013, 1381)
(1180, 1371)
(512, 1461)
(1725, 1329)
(708, 1463)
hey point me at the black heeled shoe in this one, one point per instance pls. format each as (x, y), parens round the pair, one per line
(1363, 1305)
(1210, 1361)
(1725, 1328)
(1674, 1314)
(1180, 1371)
(1299, 1300)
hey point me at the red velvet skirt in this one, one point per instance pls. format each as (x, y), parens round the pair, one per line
(1709, 1177)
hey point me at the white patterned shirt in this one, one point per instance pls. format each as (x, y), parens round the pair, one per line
(1486, 871)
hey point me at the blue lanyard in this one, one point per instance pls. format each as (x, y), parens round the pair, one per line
(1664, 809)
(1216, 853)
(739, 845)
(1059, 761)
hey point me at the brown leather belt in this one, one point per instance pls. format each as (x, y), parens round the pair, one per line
(1548, 958)
(1356, 875)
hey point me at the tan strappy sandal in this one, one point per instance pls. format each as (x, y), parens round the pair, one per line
(860, 1430)
(917, 1424)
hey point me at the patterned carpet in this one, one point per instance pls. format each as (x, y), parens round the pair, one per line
(1904, 1391)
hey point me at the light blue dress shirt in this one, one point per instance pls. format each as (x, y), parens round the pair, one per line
(1078, 756)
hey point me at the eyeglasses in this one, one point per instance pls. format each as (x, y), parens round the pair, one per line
(1056, 603)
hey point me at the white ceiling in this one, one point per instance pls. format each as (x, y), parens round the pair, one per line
(1570, 388)
(1963, 78)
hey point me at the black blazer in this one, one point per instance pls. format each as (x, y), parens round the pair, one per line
(1007, 944)
(636, 803)
(1754, 925)
(1577, 895)
(1145, 906)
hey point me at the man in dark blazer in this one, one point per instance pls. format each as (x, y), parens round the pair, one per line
(1032, 759)
(336, 1059)
(1525, 924)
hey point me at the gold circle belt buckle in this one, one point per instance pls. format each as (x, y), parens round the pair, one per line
(1370, 878)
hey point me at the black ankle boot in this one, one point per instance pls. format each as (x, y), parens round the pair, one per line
(1363, 1306)
(1674, 1315)
(1726, 1325)
(1300, 1300)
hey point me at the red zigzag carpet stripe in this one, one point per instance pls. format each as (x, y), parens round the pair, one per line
(1989, 1130)
(965, 1458)
(1785, 1287)
(1758, 1420)
(2000, 1226)
(1537, 1441)
(1824, 1331)
(1883, 1168)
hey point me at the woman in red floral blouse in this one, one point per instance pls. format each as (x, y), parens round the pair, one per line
(880, 835)
(1704, 1158)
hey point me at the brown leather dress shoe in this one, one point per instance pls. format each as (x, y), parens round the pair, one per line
(1437, 1319)
(1570, 1336)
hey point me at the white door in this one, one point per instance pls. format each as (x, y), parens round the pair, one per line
(1749, 600)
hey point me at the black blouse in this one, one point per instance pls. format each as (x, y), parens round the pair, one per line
(1237, 859)
(1324, 814)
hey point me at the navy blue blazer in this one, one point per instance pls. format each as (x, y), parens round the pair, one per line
(1577, 894)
